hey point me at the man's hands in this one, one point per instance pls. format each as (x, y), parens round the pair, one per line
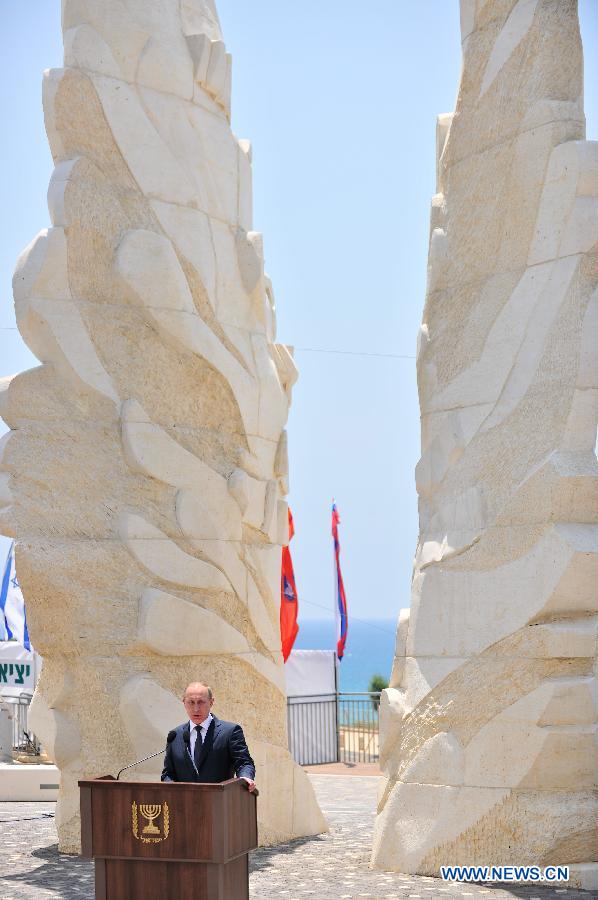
(250, 783)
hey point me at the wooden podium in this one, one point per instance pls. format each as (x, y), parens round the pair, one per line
(168, 841)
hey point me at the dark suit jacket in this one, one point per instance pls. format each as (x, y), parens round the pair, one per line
(224, 754)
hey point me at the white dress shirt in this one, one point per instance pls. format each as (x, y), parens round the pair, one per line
(193, 733)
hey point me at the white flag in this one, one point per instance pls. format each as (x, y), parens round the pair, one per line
(13, 621)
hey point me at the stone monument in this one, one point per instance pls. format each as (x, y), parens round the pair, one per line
(145, 473)
(489, 724)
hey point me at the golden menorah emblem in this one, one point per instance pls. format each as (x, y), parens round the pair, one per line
(150, 833)
(150, 811)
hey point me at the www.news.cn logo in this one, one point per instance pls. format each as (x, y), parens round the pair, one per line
(504, 873)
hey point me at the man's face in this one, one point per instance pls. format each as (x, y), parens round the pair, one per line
(197, 703)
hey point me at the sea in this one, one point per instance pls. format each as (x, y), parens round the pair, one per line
(369, 649)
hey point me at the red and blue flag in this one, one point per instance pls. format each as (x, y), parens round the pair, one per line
(289, 603)
(341, 600)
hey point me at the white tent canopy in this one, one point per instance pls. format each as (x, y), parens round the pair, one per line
(310, 672)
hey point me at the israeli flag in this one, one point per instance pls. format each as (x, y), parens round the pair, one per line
(13, 621)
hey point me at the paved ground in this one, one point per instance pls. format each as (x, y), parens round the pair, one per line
(335, 865)
(342, 768)
(330, 866)
(30, 865)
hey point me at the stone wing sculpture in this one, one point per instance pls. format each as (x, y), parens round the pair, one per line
(489, 725)
(145, 473)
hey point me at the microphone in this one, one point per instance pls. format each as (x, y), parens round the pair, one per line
(170, 738)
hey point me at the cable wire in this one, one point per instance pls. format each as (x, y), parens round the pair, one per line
(352, 618)
(353, 353)
(307, 349)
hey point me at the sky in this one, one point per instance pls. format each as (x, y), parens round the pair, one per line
(339, 99)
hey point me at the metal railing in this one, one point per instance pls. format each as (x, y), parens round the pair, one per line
(339, 727)
(23, 740)
(312, 728)
(358, 729)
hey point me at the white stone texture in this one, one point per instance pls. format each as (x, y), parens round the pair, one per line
(488, 728)
(145, 473)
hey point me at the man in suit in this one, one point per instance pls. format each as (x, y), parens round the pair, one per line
(204, 748)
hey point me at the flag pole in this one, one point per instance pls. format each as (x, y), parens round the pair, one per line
(341, 602)
(334, 597)
(336, 659)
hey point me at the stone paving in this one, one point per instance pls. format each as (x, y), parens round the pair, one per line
(30, 865)
(334, 865)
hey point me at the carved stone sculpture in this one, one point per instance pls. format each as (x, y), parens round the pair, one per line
(489, 724)
(145, 473)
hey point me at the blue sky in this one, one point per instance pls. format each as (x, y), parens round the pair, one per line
(339, 99)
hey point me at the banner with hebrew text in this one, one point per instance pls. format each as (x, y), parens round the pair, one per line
(17, 669)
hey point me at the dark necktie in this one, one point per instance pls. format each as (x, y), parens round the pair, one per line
(198, 745)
